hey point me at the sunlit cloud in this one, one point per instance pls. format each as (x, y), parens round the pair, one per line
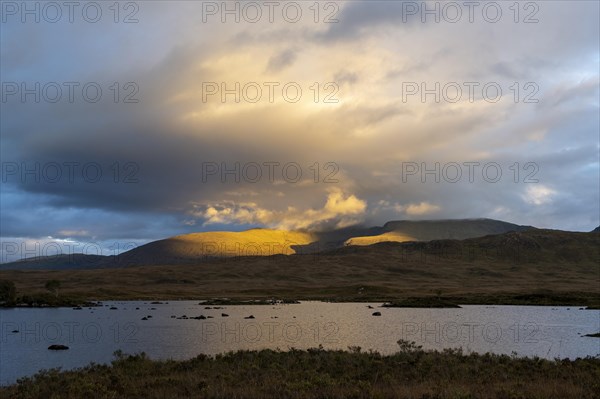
(340, 210)
(539, 195)
(423, 208)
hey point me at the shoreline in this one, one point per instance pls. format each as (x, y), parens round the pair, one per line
(589, 301)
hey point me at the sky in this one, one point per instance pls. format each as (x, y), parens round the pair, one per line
(130, 123)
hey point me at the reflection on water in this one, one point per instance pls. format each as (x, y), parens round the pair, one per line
(184, 329)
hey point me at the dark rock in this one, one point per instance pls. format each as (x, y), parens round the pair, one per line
(58, 347)
(249, 317)
(207, 307)
(113, 308)
(224, 315)
(14, 331)
(377, 314)
(144, 318)
(77, 308)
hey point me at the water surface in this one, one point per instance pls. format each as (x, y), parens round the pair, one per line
(94, 334)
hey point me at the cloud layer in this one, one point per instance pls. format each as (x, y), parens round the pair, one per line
(369, 147)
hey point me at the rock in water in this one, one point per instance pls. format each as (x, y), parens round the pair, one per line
(58, 347)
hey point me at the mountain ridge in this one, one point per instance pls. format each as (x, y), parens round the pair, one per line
(199, 247)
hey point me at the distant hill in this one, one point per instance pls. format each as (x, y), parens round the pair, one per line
(182, 249)
(596, 230)
(201, 247)
(219, 244)
(533, 245)
(62, 262)
(427, 230)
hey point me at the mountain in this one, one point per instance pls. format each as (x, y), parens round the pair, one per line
(532, 245)
(596, 230)
(219, 244)
(201, 247)
(427, 230)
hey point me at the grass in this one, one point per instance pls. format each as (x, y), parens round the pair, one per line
(44, 299)
(348, 278)
(317, 373)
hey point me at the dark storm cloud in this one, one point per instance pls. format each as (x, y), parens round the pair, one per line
(171, 133)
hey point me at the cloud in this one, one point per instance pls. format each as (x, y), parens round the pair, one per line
(281, 60)
(358, 16)
(409, 210)
(539, 195)
(340, 210)
(74, 233)
(344, 76)
(423, 208)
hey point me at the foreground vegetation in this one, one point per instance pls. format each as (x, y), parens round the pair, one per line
(317, 373)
